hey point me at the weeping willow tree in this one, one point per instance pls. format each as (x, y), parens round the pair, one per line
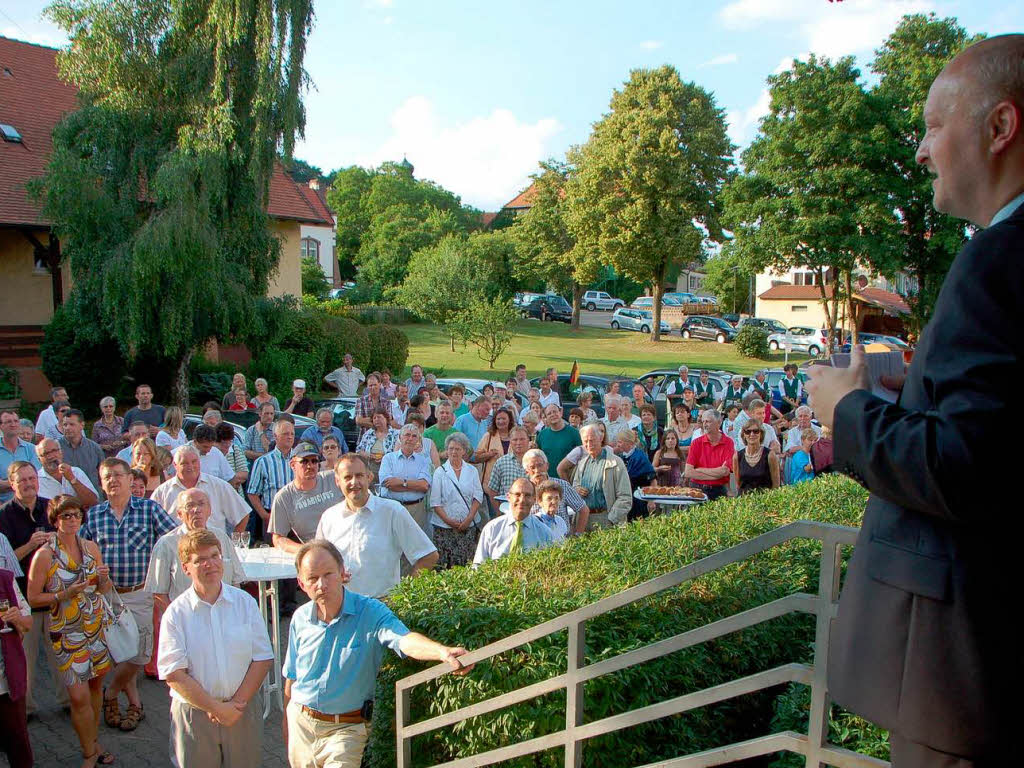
(158, 184)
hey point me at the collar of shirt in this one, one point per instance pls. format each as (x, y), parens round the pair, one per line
(347, 609)
(1007, 210)
(195, 600)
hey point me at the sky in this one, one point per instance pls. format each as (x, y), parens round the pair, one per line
(475, 94)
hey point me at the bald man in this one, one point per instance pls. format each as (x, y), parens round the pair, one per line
(922, 644)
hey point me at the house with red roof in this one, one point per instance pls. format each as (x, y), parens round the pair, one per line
(33, 100)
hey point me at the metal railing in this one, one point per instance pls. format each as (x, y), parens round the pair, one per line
(813, 744)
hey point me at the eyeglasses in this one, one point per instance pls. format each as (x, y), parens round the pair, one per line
(308, 460)
(751, 431)
(69, 516)
(214, 558)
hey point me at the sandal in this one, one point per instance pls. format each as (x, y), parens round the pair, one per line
(103, 757)
(90, 761)
(131, 718)
(111, 712)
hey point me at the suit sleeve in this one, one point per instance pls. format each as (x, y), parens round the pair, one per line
(940, 459)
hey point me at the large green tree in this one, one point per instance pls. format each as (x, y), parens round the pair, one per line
(158, 184)
(809, 196)
(547, 250)
(924, 240)
(645, 188)
(728, 278)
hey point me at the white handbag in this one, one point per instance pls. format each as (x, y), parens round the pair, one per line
(122, 633)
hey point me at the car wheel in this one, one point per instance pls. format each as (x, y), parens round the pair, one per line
(616, 305)
(591, 307)
(773, 346)
(615, 324)
(644, 329)
(720, 338)
(685, 334)
(813, 351)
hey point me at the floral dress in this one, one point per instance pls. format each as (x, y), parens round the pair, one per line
(76, 625)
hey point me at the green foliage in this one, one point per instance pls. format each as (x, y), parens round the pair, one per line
(489, 325)
(8, 383)
(389, 348)
(728, 278)
(158, 185)
(645, 186)
(314, 281)
(752, 341)
(509, 595)
(301, 171)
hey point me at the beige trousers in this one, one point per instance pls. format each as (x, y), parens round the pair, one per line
(315, 744)
(39, 636)
(198, 741)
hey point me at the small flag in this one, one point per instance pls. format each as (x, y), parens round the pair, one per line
(574, 374)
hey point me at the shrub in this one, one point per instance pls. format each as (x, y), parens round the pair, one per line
(474, 608)
(752, 341)
(389, 348)
(345, 335)
(209, 381)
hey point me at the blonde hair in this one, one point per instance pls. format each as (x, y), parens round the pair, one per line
(173, 419)
(193, 541)
(154, 469)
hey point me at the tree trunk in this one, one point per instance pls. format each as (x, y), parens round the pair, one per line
(452, 337)
(851, 311)
(577, 297)
(658, 289)
(179, 387)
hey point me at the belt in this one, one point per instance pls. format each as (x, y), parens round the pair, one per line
(411, 503)
(126, 590)
(355, 716)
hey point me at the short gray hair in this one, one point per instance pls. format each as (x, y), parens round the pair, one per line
(535, 453)
(108, 400)
(324, 410)
(461, 439)
(323, 545)
(714, 413)
(407, 428)
(590, 428)
(186, 450)
(260, 381)
(804, 409)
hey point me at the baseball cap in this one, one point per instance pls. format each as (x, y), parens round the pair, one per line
(301, 384)
(304, 449)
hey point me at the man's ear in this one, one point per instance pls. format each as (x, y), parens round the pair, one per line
(1003, 126)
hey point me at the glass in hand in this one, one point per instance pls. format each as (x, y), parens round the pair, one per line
(5, 606)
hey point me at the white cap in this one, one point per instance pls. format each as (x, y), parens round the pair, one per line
(299, 383)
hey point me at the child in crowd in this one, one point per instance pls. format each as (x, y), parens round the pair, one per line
(729, 425)
(576, 418)
(800, 468)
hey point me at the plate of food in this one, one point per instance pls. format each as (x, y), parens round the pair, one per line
(675, 493)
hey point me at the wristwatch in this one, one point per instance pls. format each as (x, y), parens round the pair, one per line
(405, 483)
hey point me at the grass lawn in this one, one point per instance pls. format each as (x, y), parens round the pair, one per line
(600, 351)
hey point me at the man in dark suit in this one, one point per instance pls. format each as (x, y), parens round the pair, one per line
(924, 644)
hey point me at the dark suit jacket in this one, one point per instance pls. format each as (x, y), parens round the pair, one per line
(924, 642)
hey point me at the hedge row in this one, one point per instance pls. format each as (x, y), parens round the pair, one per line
(474, 608)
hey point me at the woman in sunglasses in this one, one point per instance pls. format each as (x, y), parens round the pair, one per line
(754, 466)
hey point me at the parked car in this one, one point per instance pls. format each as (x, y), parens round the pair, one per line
(891, 342)
(524, 298)
(598, 385)
(811, 341)
(344, 418)
(731, 319)
(549, 308)
(772, 326)
(636, 320)
(707, 300)
(647, 302)
(593, 300)
(681, 296)
(708, 328)
(242, 420)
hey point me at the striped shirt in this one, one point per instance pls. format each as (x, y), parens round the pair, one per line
(127, 545)
(270, 473)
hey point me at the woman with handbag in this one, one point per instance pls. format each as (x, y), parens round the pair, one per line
(455, 497)
(67, 575)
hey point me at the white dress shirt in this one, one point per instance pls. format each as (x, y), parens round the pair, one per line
(167, 576)
(372, 540)
(551, 398)
(46, 424)
(398, 412)
(216, 464)
(794, 440)
(444, 493)
(226, 507)
(497, 536)
(51, 487)
(215, 643)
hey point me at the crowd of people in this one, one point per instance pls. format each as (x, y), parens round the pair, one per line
(142, 519)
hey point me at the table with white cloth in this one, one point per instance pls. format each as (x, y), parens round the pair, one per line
(267, 566)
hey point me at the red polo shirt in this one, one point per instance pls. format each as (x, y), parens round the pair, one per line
(704, 455)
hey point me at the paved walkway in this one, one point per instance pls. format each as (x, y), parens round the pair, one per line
(56, 746)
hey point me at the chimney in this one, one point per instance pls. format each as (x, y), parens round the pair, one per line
(314, 183)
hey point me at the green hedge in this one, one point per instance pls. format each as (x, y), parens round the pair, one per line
(474, 608)
(389, 348)
(752, 341)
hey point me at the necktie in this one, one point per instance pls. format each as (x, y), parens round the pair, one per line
(517, 540)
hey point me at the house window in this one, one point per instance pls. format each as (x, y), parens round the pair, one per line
(803, 278)
(798, 308)
(310, 247)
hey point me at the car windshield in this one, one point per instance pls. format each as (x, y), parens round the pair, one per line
(801, 331)
(557, 302)
(720, 323)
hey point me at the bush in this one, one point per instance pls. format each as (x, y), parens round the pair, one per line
(389, 348)
(752, 341)
(345, 335)
(208, 381)
(474, 608)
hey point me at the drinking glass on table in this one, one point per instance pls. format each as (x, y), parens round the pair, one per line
(245, 537)
(5, 606)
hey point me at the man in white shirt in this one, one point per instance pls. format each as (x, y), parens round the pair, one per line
(56, 477)
(400, 405)
(372, 533)
(517, 532)
(228, 511)
(46, 423)
(548, 396)
(793, 436)
(613, 420)
(674, 389)
(214, 654)
(211, 462)
(345, 379)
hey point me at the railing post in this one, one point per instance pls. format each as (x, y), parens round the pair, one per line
(403, 713)
(574, 694)
(828, 594)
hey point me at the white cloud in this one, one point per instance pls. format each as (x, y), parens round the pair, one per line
(827, 29)
(651, 45)
(743, 123)
(727, 58)
(486, 161)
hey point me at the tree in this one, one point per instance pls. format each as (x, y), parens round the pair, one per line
(158, 184)
(924, 240)
(728, 278)
(301, 171)
(344, 196)
(646, 182)
(546, 248)
(487, 325)
(809, 195)
(314, 282)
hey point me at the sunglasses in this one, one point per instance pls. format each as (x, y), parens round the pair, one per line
(751, 431)
(70, 516)
(309, 460)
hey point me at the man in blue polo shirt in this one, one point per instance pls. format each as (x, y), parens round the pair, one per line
(12, 449)
(335, 646)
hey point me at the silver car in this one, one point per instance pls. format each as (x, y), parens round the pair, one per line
(636, 320)
(810, 341)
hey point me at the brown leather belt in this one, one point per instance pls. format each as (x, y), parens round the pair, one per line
(412, 503)
(126, 590)
(355, 716)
